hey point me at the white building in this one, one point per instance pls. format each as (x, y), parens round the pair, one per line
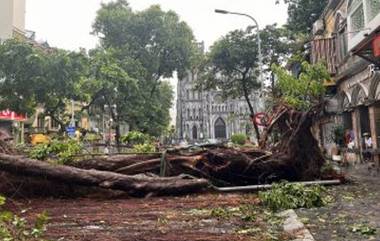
(12, 19)
(205, 115)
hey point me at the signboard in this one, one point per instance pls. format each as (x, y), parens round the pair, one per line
(376, 46)
(261, 119)
(11, 115)
(70, 130)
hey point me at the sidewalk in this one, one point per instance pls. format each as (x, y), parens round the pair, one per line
(353, 215)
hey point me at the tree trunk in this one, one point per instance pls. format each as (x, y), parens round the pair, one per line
(246, 96)
(137, 185)
(252, 116)
(117, 135)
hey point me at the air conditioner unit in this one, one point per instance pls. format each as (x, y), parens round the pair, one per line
(318, 27)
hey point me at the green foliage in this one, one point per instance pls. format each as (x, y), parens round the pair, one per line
(33, 77)
(92, 137)
(239, 139)
(15, 228)
(232, 65)
(327, 168)
(303, 13)
(136, 137)
(64, 150)
(39, 152)
(159, 40)
(363, 229)
(149, 45)
(338, 135)
(304, 91)
(292, 196)
(144, 148)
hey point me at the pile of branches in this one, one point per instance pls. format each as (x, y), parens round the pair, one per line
(294, 157)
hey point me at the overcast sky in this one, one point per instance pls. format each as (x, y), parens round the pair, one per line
(67, 23)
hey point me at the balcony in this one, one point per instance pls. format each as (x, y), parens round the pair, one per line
(324, 51)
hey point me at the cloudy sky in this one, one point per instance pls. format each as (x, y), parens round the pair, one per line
(67, 23)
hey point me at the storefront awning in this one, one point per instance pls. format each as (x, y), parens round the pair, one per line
(11, 116)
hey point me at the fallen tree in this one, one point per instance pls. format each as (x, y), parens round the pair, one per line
(294, 155)
(137, 185)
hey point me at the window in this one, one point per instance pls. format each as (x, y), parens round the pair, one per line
(187, 94)
(372, 9)
(54, 124)
(341, 40)
(357, 19)
(41, 121)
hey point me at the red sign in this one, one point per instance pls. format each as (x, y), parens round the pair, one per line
(11, 115)
(376, 46)
(261, 119)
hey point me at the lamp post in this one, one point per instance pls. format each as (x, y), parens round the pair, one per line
(258, 36)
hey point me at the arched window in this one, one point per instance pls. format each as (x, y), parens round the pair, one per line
(195, 132)
(220, 129)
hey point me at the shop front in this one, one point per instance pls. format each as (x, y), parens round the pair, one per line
(12, 125)
(360, 111)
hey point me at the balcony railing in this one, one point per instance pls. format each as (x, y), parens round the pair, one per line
(324, 51)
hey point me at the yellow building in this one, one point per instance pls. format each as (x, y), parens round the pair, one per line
(344, 38)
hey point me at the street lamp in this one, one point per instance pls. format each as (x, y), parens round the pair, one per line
(221, 11)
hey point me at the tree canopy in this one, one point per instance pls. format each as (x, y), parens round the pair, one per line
(159, 40)
(303, 13)
(34, 77)
(150, 45)
(232, 67)
(304, 91)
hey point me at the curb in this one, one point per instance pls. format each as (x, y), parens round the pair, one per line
(294, 227)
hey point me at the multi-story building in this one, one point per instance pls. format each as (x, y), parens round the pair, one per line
(346, 37)
(12, 25)
(206, 115)
(12, 19)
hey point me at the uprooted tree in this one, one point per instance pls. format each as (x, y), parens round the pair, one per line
(293, 156)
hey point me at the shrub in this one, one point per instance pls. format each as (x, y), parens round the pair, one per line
(291, 196)
(39, 152)
(338, 135)
(136, 137)
(144, 148)
(64, 150)
(13, 227)
(239, 139)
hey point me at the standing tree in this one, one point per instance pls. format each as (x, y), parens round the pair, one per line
(39, 77)
(232, 67)
(150, 45)
(111, 89)
(64, 71)
(303, 13)
(21, 69)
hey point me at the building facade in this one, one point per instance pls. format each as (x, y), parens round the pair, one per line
(345, 38)
(12, 19)
(203, 115)
(12, 25)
